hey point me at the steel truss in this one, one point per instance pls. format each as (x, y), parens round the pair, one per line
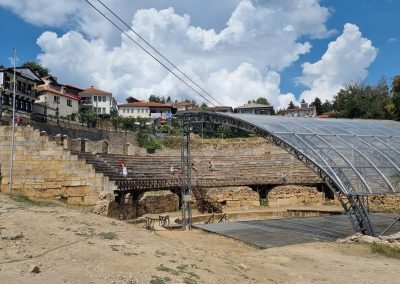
(352, 202)
(186, 166)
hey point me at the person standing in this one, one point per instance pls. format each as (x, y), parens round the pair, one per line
(124, 168)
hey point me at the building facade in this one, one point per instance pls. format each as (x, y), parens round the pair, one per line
(303, 111)
(220, 109)
(102, 102)
(145, 110)
(57, 100)
(183, 106)
(26, 90)
(254, 108)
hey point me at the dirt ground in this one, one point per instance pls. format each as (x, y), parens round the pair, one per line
(69, 245)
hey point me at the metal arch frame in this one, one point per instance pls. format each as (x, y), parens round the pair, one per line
(353, 204)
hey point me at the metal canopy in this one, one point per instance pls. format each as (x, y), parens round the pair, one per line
(362, 157)
(355, 158)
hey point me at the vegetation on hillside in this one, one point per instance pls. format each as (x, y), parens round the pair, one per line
(37, 67)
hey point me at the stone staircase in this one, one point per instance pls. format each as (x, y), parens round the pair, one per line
(44, 169)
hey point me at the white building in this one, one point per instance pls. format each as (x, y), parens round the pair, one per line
(56, 99)
(303, 111)
(57, 102)
(145, 109)
(102, 102)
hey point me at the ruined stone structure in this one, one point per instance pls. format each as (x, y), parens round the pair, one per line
(288, 195)
(43, 168)
(151, 202)
(240, 196)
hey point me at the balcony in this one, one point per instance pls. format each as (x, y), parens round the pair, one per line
(26, 92)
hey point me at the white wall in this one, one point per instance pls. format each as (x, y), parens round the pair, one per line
(134, 111)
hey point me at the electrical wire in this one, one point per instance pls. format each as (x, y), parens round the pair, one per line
(159, 53)
(145, 50)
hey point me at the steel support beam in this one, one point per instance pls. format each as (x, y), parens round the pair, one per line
(186, 187)
(353, 204)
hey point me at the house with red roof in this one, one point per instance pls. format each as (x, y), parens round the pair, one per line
(56, 99)
(101, 101)
(146, 110)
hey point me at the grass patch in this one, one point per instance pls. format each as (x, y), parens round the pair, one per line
(108, 235)
(167, 269)
(385, 249)
(182, 268)
(29, 201)
(159, 280)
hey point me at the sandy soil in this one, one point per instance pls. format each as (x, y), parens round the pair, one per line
(71, 246)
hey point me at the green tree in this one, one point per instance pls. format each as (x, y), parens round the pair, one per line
(262, 101)
(88, 116)
(128, 123)
(291, 105)
(114, 113)
(168, 99)
(154, 99)
(116, 122)
(364, 101)
(326, 106)
(2, 66)
(318, 105)
(396, 97)
(37, 67)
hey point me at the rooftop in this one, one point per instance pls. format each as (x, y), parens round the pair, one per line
(254, 105)
(93, 90)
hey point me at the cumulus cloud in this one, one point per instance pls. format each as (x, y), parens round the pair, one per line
(346, 59)
(237, 63)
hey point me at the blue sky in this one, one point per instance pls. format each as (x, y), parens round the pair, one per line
(376, 20)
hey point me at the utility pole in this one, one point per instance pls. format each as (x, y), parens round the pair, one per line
(13, 124)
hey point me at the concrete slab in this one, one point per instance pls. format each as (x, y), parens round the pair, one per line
(288, 231)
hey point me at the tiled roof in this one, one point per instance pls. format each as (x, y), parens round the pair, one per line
(145, 104)
(93, 90)
(44, 88)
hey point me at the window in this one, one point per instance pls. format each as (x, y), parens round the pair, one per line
(95, 98)
(57, 99)
(104, 98)
(124, 110)
(104, 110)
(69, 103)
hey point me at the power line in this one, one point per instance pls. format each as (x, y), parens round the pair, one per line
(145, 50)
(159, 53)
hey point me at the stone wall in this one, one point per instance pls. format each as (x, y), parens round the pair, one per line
(381, 202)
(42, 168)
(117, 141)
(239, 196)
(288, 195)
(156, 202)
(151, 202)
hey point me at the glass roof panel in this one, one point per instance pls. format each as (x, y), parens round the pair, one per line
(361, 156)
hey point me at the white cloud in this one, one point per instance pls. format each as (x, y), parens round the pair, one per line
(236, 62)
(346, 59)
(392, 40)
(44, 12)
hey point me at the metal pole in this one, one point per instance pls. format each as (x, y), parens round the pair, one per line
(13, 125)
